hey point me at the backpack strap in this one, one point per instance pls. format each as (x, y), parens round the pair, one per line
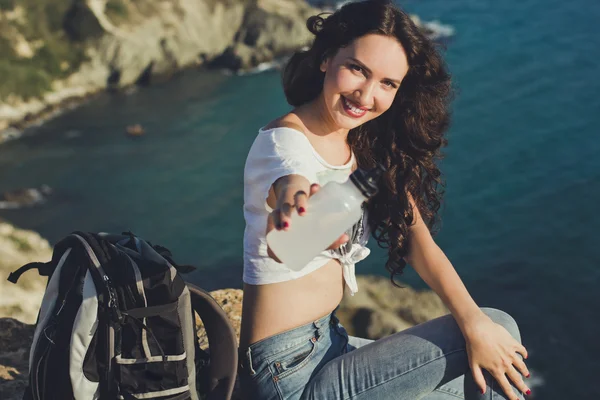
(45, 269)
(99, 255)
(222, 342)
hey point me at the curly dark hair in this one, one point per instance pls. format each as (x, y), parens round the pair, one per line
(407, 138)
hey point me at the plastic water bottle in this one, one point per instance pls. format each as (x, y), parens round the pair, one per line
(330, 212)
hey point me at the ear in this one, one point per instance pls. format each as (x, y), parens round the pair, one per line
(325, 64)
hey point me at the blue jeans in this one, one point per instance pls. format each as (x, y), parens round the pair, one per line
(320, 361)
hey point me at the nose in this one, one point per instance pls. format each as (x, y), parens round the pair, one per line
(365, 94)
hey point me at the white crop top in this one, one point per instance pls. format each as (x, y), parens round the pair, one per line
(275, 153)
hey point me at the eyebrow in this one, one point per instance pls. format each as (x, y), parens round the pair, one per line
(362, 65)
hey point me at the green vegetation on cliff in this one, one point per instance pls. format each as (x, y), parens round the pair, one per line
(116, 11)
(40, 41)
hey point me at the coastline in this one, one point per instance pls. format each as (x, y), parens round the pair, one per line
(246, 38)
(150, 45)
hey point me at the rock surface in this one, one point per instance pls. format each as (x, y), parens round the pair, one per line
(230, 301)
(15, 340)
(377, 310)
(381, 307)
(19, 247)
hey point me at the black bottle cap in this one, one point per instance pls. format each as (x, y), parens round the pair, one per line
(366, 181)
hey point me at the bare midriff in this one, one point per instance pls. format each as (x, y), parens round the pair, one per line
(278, 307)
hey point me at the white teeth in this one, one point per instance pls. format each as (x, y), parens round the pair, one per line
(354, 109)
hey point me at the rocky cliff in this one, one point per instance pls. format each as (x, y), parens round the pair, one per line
(19, 247)
(58, 51)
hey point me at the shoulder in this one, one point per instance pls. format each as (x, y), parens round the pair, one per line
(282, 139)
(285, 134)
(290, 121)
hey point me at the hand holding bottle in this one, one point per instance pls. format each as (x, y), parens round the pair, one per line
(333, 210)
(290, 199)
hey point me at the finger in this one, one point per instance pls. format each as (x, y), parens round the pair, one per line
(520, 366)
(341, 240)
(301, 201)
(522, 350)
(517, 380)
(314, 188)
(285, 216)
(274, 220)
(478, 377)
(271, 223)
(506, 387)
(270, 227)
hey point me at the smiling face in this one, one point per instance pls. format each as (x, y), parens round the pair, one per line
(362, 79)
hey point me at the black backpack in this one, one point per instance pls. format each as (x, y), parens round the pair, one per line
(117, 322)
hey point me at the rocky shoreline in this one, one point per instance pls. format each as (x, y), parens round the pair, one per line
(377, 310)
(153, 44)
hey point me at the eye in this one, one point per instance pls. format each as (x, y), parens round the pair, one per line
(390, 84)
(356, 68)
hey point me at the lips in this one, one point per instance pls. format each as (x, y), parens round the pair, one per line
(351, 109)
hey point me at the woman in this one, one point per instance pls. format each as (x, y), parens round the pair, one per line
(371, 89)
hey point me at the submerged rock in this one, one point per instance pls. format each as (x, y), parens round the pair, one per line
(135, 130)
(25, 197)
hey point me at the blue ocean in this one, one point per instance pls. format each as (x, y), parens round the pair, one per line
(520, 215)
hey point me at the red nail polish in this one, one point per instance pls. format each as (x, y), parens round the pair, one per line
(527, 376)
(528, 392)
(301, 210)
(285, 224)
(482, 391)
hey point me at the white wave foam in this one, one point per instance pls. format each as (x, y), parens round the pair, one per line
(437, 30)
(8, 205)
(10, 134)
(26, 197)
(265, 66)
(73, 133)
(340, 4)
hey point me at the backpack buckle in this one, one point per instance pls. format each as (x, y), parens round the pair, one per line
(113, 304)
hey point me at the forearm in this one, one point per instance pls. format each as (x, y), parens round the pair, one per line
(435, 269)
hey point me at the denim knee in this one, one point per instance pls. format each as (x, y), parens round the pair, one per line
(504, 319)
